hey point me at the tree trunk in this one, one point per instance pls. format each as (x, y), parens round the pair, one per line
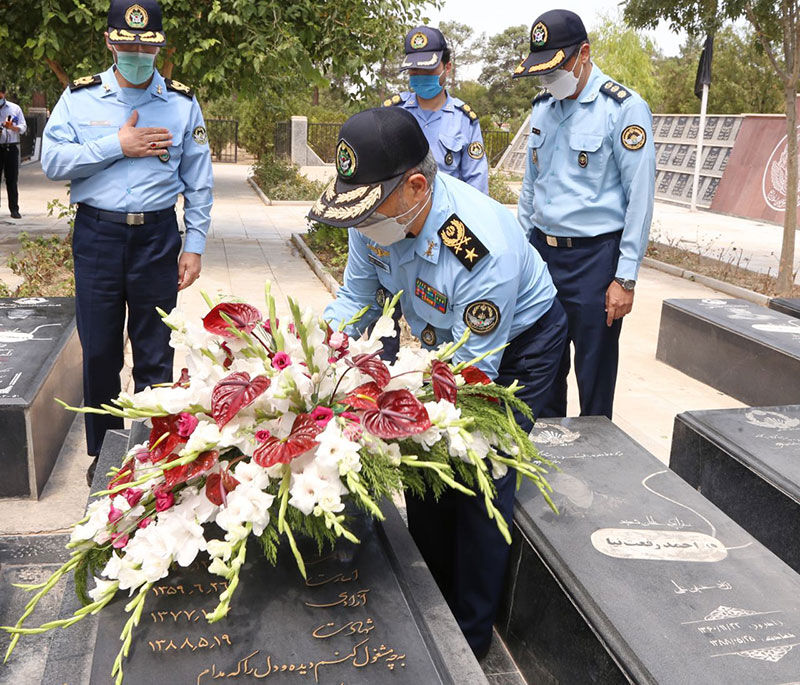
(61, 75)
(786, 264)
(315, 96)
(169, 65)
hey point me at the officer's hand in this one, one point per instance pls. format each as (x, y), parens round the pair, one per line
(188, 269)
(142, 142)
(619, 302)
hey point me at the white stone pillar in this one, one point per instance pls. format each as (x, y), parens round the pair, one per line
(299, 140)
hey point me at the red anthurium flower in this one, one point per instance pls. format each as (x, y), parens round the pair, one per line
(474, 376)
(205, 462)
(233, 393)
(183, 380)
(124, 475)
(176, 475)
(186, 424)
(217, 486)
(300, 440)
(228, 356)
(373, 366)
(364, 396)
(164, 424)
(245, 317)
(444, 383)
(397, 415)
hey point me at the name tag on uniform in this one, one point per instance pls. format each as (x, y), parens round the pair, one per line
(377, 262)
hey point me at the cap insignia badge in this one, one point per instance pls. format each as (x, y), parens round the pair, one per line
(539, 35)
(346, 161)
(136, 17)
(419, 40)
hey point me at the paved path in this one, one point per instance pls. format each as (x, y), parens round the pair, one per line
(248, 244)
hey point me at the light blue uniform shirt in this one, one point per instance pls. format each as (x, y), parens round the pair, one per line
(581, 180)
(81, 145)
(450, 133)
(11, 109)
(438, 289)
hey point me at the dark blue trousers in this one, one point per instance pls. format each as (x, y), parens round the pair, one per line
(119, 267)
(582, 274)
(460, 544)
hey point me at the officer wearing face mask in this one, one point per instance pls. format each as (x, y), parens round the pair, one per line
(12, 126)
(129, 141)
(449, 124)
(587, 199)
(462, 263)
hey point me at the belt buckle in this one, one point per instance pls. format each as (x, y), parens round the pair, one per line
(569, 242)
(134, 218)
(552, 241)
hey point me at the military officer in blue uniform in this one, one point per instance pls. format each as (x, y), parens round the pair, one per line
(587, 199)
(462, 262)
(129, 141)
(449, 124)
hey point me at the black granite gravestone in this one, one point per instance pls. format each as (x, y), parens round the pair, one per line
(786, 305)
(748, 352)
(369, 613)
(747, 462)
(640, 579)
(40, 358)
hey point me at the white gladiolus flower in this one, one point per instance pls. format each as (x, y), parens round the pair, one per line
(102, 588)
(408, 360)
(245, 504)
(248, 473)
(220, 568)
(498, 470)
(220, 549)
(335, 451)
(97, 523)
(206, 436)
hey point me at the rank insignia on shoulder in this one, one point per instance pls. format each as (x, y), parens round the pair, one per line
(633, 137)
(85, 81)
(178, 87)
(464, 107)
(462, 242)
(475, 150)
(394, 100)
(541, 97)
(615, 91)
(428, 336)
(482, 316)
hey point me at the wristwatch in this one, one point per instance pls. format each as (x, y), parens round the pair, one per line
(627, 283)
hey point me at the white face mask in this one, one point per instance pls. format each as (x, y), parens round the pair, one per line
(386, 230)
(561, 83)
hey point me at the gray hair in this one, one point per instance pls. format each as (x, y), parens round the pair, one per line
(427, 167)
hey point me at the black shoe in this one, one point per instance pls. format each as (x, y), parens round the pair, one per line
(16, 215)
(90, 472)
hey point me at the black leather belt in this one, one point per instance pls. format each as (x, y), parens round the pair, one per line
(561, 241)
(6, 145)
(129, 218)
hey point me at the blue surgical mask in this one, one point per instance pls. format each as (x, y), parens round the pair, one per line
(136, 67)
(426, 86)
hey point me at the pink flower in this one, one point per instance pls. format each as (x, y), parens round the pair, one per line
(143, 456)
(338, 340)
(145, 522)
(119, 541)
(321, 416)
(164, 499)
(350, 416)
(114, 514)
(281, 360)
(133, 495)
(263, 436)
(352, 431)
(186, 424)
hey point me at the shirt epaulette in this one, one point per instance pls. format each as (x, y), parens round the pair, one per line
(464, 107)
(179, 87)
(462, 242)
(541, 96)
(85, 81)
(394, 100)
(615, 91)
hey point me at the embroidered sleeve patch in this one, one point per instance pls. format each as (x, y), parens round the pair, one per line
(482, 316)
(475, 150)
(429, 295)
(633, 137)
(462, 242)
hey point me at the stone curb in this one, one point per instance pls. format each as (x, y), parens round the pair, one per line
(722, 286)
(292, 203)
(316, 266)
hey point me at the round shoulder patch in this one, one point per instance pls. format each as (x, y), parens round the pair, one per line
(475, 150)
(482, 316)
(200, 135)
(633, 137)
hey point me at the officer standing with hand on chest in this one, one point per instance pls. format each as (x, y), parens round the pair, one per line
(587, 200)
(12, 126)
(462, 262)
(129, 141)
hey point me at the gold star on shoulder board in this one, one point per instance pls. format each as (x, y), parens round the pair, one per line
(471, 255)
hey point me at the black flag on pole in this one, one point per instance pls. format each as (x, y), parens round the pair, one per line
(704, 68)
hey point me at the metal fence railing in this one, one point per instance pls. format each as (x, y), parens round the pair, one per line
(283, 140)
(495, 141)
(27, 141)
(322, 139)
(223, 139)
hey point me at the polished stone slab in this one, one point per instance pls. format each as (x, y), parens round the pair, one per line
(786, 305)
(747, 462)
(742, 349)
(40, 359)
(639, 578)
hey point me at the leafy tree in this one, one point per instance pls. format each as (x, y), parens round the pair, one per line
(461, 41)
(776, 26)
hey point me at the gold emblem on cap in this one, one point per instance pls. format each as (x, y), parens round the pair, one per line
(136, 17)
(121, 35)
(633, 137)
(346, 161)
(557, 59)
(418, 41)
(539, 35)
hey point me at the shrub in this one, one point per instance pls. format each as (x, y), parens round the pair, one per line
(500, 190)
(280, 180)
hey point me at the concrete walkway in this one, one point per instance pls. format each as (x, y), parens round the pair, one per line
(249, 243)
